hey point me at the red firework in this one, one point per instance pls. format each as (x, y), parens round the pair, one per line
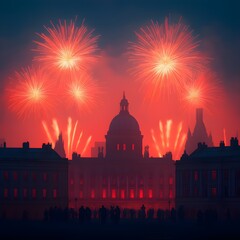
(66, 47)
(30, 92)
(165, 56)
(203, 92)
(82, 92)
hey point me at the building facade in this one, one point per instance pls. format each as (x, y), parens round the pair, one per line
(209, 179)
(31, 180)
(124, 176)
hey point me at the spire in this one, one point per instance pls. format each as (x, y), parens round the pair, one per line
(124, 104)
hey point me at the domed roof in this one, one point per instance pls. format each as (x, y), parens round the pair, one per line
(124, 122)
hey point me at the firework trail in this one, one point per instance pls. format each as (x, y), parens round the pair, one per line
(165, 56)
(66, 46)
(72, 145)
(168, 141)
(31, 93)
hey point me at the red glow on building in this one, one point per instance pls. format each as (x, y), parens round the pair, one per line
(114, 193)
(140, 193)
(104, 193)
(150, 193)
(92, 193)
(132, 195)
(122, 194)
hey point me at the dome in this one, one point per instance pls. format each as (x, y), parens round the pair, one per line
(124, 122)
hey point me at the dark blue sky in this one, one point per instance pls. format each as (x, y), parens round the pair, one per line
(215, 22)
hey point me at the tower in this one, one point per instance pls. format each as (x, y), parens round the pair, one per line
(124, 139)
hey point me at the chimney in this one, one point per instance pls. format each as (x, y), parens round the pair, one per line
(234, 142)
(4, 144)
(25, 145)
(199, 115)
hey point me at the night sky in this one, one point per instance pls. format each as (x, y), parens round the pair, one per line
(215, 23)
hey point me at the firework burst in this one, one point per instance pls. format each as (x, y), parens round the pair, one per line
(73, 144)
(165, 56)
(67, 46)
(30, 93)
(168, 142)
(203, 92)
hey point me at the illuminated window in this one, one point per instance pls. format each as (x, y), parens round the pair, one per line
(5, 175)
(214, 175)
(54, 193)
(170, 193)
(132, 195)
(118, 146)
(44, 193)
(15, 193)
(34, 193)
(25, 193)
(141, 181)
(133, 146)
(171, 181)
(114, 193)
(5, 193)
(122, 193)
(71, 181)
(44, 177)
(140, 193)
(150, 193)
(92, 193)
(214, 192)
(124, 147)
(104, 180)
(104, 193)
(195, 175)
(15, 176)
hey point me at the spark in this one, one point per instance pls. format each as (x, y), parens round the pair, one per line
(31, 93)
(165, 56)
(171, 139)
(66, 46)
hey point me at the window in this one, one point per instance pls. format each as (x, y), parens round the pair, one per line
(15, 193)
(150, 193)
(140, 193)
(5, 193)
(81, 180)
(104, 193)
(214, 175)
(15, 176)
(5, 175)
(214, 192)
(34, 193)
(71, 181)
(161, 180)
(195, 191)
(92, 193)
(141, 181)
(44, 193)
(104, 180)
(133, 146)
(114, 193)
(132, 195)
(170, 180)
(54, 193)
(118, 146)
(122, 194)
(195, 175)
(124, 147)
